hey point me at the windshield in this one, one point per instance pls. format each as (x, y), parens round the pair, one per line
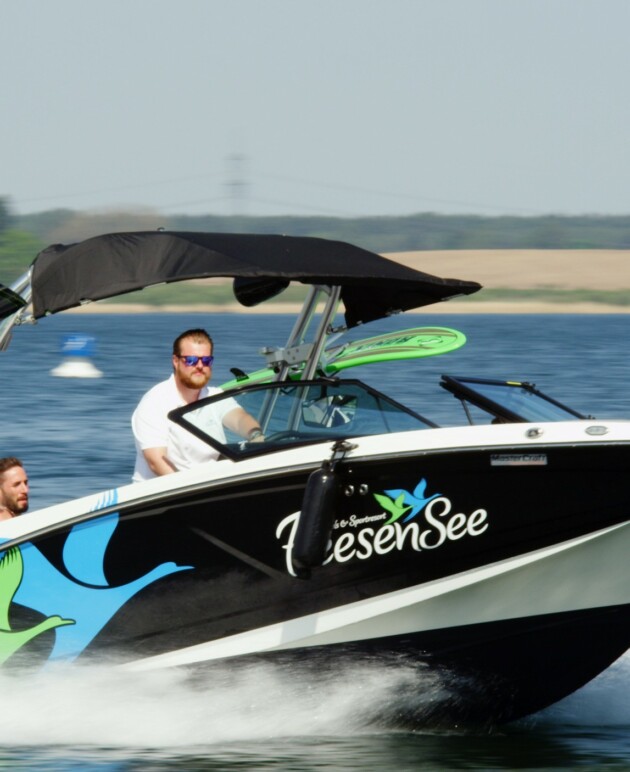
(300, 413)
(508, 401)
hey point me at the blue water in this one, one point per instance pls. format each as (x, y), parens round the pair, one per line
(74, 437)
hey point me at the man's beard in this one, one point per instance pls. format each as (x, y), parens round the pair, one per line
(194, 380)
(18, 507)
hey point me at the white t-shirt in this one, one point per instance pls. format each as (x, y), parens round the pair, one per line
(152, 428)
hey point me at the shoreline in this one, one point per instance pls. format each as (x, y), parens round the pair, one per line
(447, 307)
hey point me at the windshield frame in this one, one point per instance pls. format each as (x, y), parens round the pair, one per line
(276, 390)
(518, 398)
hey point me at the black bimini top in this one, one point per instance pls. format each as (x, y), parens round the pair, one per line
(65, 276)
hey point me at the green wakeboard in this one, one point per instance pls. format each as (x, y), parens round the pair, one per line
(415, 343)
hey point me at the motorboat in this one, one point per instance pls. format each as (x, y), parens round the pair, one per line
(493, 553)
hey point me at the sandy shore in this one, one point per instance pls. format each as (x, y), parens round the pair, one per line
(601, 269)
(565, 269)
(452, 307)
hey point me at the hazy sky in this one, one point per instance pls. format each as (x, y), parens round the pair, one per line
(340, 107)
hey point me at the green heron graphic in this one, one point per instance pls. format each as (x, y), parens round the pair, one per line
(11, 571)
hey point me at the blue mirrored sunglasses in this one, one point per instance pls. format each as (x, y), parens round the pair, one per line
(191, 360)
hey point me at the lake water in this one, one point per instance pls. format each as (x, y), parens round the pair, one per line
(74, 437)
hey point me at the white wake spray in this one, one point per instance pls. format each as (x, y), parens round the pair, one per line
(91, 705)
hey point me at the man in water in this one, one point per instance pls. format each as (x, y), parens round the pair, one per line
(13, 488)
(162, 447)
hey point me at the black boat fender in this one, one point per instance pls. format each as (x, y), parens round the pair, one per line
(314, 528)
(316, 520)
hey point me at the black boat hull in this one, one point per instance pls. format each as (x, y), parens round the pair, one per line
(484, 565)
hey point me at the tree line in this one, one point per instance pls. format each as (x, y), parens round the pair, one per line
(21, 236)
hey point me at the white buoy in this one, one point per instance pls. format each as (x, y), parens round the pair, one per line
(77, 350)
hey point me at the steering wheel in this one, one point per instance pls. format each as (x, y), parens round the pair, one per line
(288, 434)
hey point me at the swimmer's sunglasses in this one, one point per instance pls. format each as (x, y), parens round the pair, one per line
(191, 360)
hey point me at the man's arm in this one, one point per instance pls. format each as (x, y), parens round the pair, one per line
(150, 428)
(157, 461)
(242, 423)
